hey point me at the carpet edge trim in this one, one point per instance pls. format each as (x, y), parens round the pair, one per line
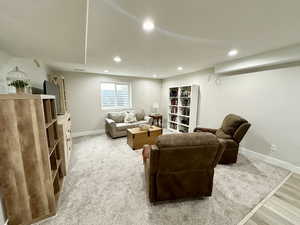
(262, 202)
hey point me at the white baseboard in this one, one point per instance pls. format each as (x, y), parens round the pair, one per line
(88, 132)
(271, 160)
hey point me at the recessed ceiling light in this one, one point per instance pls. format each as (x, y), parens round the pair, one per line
(148, 25)
(154, 75)
(117, 59)
(233, 52)
(106, 71)
(179, 68)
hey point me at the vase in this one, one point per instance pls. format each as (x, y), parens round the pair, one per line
(20, 90)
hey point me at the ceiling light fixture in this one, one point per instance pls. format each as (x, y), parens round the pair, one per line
(179, 68)
(106, 71)
(233, 52)
(117, 59)
(154, 75)
(148, 25)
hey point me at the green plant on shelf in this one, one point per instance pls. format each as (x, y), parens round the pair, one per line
(19, 83)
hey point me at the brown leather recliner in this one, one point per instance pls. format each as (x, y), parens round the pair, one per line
(181, 165)
(230, 134)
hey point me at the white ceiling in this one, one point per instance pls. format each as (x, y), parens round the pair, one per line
(194, 34)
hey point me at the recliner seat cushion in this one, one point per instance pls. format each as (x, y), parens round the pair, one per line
(231, 123)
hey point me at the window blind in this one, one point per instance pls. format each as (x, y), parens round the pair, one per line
(115, 95)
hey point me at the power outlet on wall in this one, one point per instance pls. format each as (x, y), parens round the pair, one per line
(273, 148)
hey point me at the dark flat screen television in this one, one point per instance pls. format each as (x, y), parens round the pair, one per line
(52, 89)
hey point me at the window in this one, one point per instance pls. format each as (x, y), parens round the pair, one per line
(115, 95)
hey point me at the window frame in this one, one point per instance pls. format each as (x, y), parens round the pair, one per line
(115, 84)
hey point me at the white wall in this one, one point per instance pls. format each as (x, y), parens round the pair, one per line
(268, 99)
(83, 96)
(36, 74)
(4, 59)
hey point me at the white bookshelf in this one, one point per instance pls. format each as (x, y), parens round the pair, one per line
(182, 108)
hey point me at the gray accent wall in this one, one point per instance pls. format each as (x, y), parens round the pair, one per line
(268, 99)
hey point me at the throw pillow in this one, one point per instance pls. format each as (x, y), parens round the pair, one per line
(130, 117)
(140, 115)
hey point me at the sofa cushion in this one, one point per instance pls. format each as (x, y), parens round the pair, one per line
(118, 117)
(130, 117)
(231, 123)
(140, 115)
(125, 126)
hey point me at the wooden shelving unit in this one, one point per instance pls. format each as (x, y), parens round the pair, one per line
(183, 105)
(54, 145)
(31, 159)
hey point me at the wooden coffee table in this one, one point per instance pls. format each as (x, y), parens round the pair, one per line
(136, 138)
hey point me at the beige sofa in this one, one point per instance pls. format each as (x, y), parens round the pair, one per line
(116, 127)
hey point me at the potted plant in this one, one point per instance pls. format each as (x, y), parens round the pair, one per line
(20, 85)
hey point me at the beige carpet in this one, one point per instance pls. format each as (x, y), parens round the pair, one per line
(106, 186)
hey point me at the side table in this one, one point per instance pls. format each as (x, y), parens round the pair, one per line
(157, 119)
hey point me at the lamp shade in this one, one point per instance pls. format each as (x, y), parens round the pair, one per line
(155, 105)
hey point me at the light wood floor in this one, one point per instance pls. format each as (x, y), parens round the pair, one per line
(283, 208)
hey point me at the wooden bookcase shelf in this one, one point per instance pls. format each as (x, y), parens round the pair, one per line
(54, 145)
(36, 162)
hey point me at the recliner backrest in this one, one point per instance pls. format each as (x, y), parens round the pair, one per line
(231, 123)
(233, 127)
(190, 151)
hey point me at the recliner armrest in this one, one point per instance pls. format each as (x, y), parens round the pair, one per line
(201, 129)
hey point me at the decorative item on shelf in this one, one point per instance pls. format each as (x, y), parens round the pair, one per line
(185, 111)
(183, 129)
(174, 110)
(174, 101)
(173, 118)
(185, 92)
(20, 86)
(173, 126)
(184, 121)
(173, 92)
(18, 79)
(185, 102)
(144, 127)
